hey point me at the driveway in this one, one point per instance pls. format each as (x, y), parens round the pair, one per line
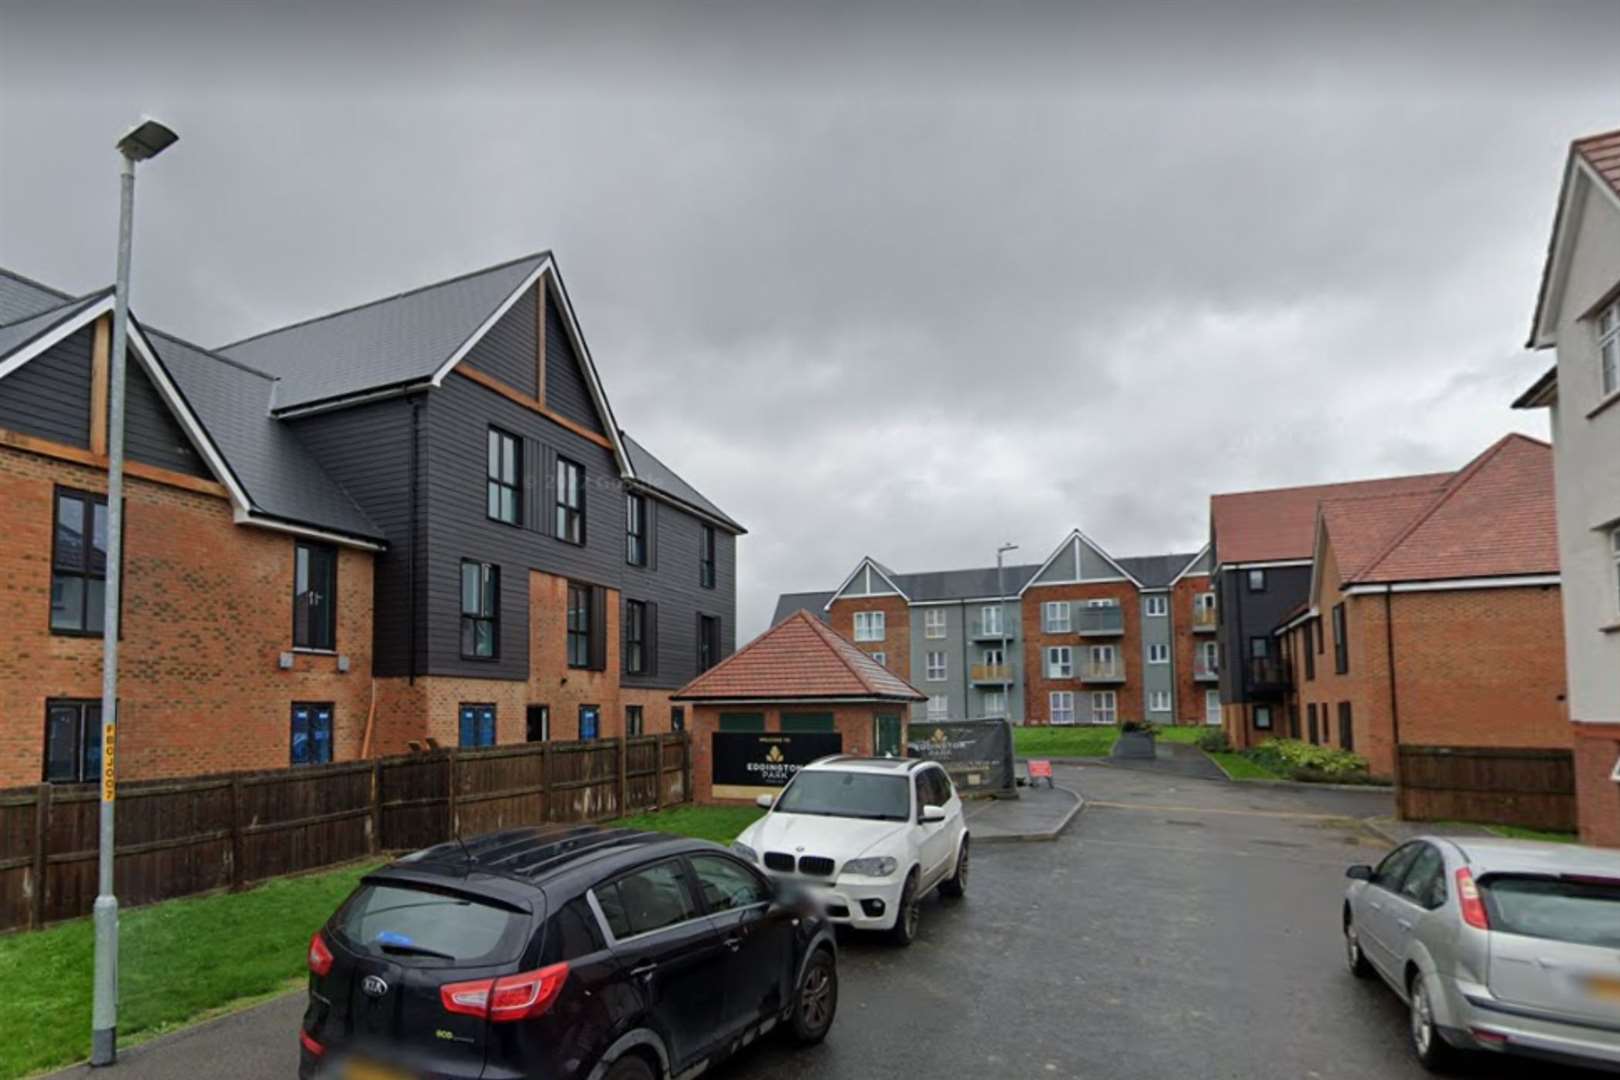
(1180, 927)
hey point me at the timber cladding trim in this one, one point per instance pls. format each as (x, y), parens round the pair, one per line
(532, 404)
(61, 452)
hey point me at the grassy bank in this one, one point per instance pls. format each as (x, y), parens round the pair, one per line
(1060, 742)
(718, 823)
(1238, 767)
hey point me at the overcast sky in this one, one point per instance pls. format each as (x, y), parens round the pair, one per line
(906, 281)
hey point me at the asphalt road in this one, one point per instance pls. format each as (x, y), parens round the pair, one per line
(1181, 928)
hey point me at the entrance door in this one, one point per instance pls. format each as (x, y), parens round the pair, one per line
(886, 735)
(1212, 708)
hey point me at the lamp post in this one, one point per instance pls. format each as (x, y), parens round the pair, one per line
(1001, 621)
(145, 140)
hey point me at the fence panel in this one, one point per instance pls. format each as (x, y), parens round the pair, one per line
(584, 781)
(1531, 788)
(500, 788)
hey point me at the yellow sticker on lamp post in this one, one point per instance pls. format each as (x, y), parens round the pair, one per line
(109, 744)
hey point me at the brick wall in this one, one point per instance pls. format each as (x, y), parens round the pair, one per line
(1037, 687)
(207, 613)
(1189, 695)
(857, 723)
(1597, 796)
(896, 643)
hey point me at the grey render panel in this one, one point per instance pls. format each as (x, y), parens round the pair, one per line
(511, 349)
(401, 339)
(1066, 567)
(1094, 564)
(953, 645)
(1156, 631)
(50, 395)
(567, 393)
(151, 433)
(1204, 565)
(21, 298)
(1245, 615)
(655, 474)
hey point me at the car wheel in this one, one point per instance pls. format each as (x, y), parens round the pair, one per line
(630, 1067)
(1354, 957)
(904, 931)
(817, 1002)
(1431, 1048)
(955, 886)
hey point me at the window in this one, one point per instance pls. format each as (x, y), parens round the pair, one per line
(939, 707)
(569, 523)
(1341, 642)
(1293, 720)
(579, 625)
(1158, 604)
(1311, 631)
(72, 741)
(990, 619)
(537, 723)
(880, 658)
(635, 529)
(504, 501)
(1204, 609)
(869, 626)
(1257, 581)
(1310, 723)
(1104, 707)
(677, 718)
(706, 557)
(480, 610)
(1159, 701)
(1614, 548)
(1209, 657)
(311, 739)
(727, 885)
(635, 637)
(476, 725)
(1062, 706)
(1609, 349)
(934, 668)
(78, 563)
(1259, 648)
(633, 722)
(1347, 728)
(1158, 654)
(1425, 882)
(1392, 871)
(992, 658)
(1059, 662)
(647, 900)
(590, 717)
(1262, 717)
(314, 596)
(995, 703)
(708, 641)
(1055, 617)
(934, 623)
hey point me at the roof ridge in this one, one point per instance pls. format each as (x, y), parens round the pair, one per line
(153, 331)
(383, 300)
(833, 638)
(758, 638)
(1333, 483)
(37, 284)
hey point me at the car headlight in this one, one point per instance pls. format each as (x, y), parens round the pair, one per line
(745, 851)
(882, 866)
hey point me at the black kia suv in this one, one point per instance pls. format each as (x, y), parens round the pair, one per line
(552, 952)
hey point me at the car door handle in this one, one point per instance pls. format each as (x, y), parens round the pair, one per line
(643, 971)
(1405, 924)
(733, 943)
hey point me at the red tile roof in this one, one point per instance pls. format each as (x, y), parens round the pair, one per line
(1270, 526)
(1496, 519)
(799, 659)
(1361, 528)
(1602, 152)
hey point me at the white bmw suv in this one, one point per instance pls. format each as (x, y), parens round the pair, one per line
(869, 837)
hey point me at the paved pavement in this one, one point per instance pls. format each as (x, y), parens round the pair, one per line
(1039, 813)
(1175, 759)
(1178, 928)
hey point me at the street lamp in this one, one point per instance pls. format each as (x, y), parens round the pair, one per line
(1001, 621)
(145, 140)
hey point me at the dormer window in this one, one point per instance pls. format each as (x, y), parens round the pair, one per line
(1609, 349)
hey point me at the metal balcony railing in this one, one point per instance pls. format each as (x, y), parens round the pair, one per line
(1267, 675)
(1205, 620)
(1206, 669)
(991, 674)
(1099, 621)
(1102, 671)
(982, 629)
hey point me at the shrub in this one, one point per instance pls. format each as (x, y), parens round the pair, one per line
(1146, 727)
(1302, 761)
(1214, 741)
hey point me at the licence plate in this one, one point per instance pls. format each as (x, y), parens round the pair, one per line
(1604, 989)
(366, 1070)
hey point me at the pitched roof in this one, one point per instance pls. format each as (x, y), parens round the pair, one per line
(798, 659)
(813, 602)
(1593, 159)
(1497, 518)
(14, 336)
(1361, 527)
(1156, 571)
(1602, 152)
(661, 478)
(971, 584)
(21, 297)
(398, 340)
(1280, 523)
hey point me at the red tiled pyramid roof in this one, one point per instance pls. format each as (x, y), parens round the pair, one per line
(1602, 152)
(800, 658)
(1269, 526)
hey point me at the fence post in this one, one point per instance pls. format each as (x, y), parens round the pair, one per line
(658, 772)
(42, 814)
(547, 810)
(686, 767)
(455, 830)
(376, 806)
(236, 833)
(624, 765)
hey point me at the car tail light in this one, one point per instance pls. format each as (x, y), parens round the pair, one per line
(308, 1043)
(1472, 904)
(1489, 1038)
(510, 997)
(320, 957)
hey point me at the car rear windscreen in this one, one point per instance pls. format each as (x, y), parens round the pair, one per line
(1558, 909)
(847, 794)
(406, 923)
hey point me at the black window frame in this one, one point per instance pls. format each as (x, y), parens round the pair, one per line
(677, 718)
(292, 731)
(489, 590)
(85, 571)
(1259, 711)
(1347, 727)
(578, 635)
(1341, 643)
(635, 637)
(708, 543)
(639, 716)
(495, 481)
(635, 529)
(86, 768)
(1310, 649)
(568, 502)
(326, 640)
(530, 713)
(1310, 723)
(708, 642)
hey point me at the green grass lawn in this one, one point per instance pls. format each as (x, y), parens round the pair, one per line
(718, 823)
(1185, 734)
(1238, 767)
(1060, 742)
(177, 960)
(1518, 832)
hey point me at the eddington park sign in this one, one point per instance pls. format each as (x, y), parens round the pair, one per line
(752, 763)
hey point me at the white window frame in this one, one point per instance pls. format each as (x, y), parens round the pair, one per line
(939, 707)
(934, 623)
(1158, 604)
(1106, 602)
(1158, 653)
(1104, 656)
(935, 672)
(1060, 706)
(881, 658)
(1212, 655)
(1159, 701)
(1608, 350)
(1104, 703)
(1056, 617)
(992, 656)
(870, 625)
(990, 621)
(1060, 662)
(999, 696)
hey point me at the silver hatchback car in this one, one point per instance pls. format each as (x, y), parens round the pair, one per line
(1495, 945)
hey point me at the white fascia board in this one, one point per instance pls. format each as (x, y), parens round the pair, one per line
(188, 419)
(1068, 541)
(1579, 177)
(800, 702)
(1272, 564)
(866, 563)
(1520, 581)
(1099, 549)
(1185, 570)
(72, 325)
(345, 402)
(249, 517)
(1082, 581)
(1302, 617)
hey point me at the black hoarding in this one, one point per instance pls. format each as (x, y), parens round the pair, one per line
(977, 753)
(751, 763)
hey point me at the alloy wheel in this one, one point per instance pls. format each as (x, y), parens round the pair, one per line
(817, 997)
(1422, 1019)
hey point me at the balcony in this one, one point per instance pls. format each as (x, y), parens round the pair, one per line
(1099, 621)
(1205, 620)
(990, 674)
(1268, 676)
(1102, 671)
(991, 629)
(1206, 670)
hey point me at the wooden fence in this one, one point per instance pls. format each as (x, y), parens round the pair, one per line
(179, 837)
(1532, 788)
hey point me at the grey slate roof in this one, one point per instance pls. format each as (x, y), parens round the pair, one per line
(15, 335)
(1156, 571)
(813, 602)
(655, 474)
(280, 476)
(22, 297)
(401, 339)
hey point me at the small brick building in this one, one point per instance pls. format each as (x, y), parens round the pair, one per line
(797, 692)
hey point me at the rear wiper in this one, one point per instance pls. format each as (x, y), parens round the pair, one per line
(394, 949)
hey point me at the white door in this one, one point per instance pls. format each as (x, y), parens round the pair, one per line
(1212, 708)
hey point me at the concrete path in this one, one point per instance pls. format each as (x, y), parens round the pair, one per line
(1176, 759)
(1039, 813)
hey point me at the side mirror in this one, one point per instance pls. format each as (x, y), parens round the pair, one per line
(1359, 872)
(766, 801)
(933, 813)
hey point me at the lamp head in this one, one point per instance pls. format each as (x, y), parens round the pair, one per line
(146, 140)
